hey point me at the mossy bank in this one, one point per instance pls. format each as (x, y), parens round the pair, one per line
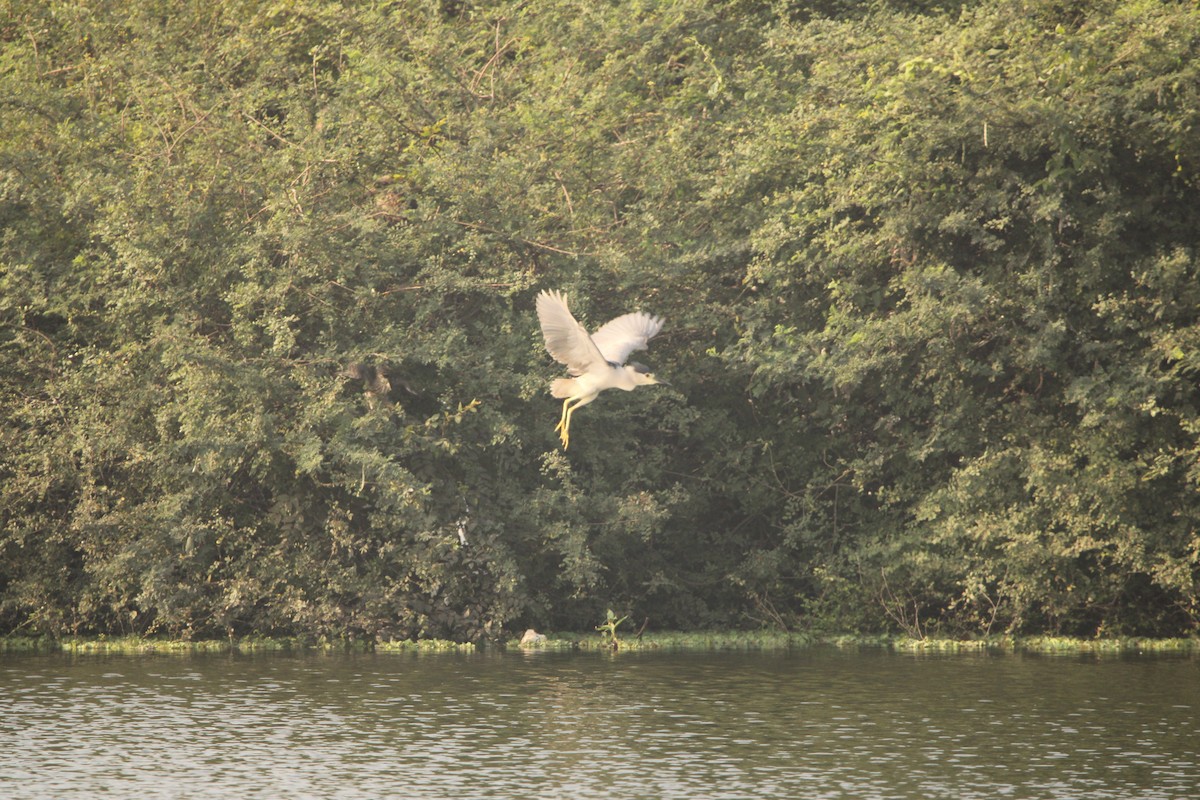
(589, 642)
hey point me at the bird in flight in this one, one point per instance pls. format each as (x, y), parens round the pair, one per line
(596, 361)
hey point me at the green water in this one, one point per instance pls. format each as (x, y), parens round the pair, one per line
(818, 723)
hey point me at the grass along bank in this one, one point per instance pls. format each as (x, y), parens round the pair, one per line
(593, 642)
(132, 645)
(774, 640)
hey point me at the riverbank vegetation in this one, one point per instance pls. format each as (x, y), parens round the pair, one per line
(269, 363)
(140, 645)
(673, 641)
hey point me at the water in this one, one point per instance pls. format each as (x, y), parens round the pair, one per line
(808, 724)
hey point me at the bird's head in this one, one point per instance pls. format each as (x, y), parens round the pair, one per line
(642, 376)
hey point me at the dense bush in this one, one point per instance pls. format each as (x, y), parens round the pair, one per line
(267, 344)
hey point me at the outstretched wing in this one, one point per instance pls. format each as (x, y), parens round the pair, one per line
(625, 334)
(566, 339)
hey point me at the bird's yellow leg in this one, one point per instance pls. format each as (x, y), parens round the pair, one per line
(566, 425)
(562, 421)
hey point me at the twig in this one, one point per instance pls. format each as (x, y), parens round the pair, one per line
(420, 287)
(566, 194)
(268, 130)
(499, 51)
(477, 227)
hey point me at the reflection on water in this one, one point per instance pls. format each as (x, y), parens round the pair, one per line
(811, 724)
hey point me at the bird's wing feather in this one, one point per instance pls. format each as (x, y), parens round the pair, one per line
(566, 339)
(625, 334)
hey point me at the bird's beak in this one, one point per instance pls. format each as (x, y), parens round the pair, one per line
(660, 380)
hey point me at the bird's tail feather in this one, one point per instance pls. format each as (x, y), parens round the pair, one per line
(562, 388)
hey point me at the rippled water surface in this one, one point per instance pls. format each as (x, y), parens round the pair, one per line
(806, 724)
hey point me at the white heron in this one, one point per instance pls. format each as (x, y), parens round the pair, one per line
(596, 361)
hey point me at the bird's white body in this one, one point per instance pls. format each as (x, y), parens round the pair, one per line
(622, 377)
(597, 361)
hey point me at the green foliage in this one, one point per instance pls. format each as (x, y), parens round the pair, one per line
(608, 629)
(267, 341)
(967, 250)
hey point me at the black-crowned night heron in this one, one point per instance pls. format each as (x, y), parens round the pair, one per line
(597, 362)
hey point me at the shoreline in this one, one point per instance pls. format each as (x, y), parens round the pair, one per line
(590, 642)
